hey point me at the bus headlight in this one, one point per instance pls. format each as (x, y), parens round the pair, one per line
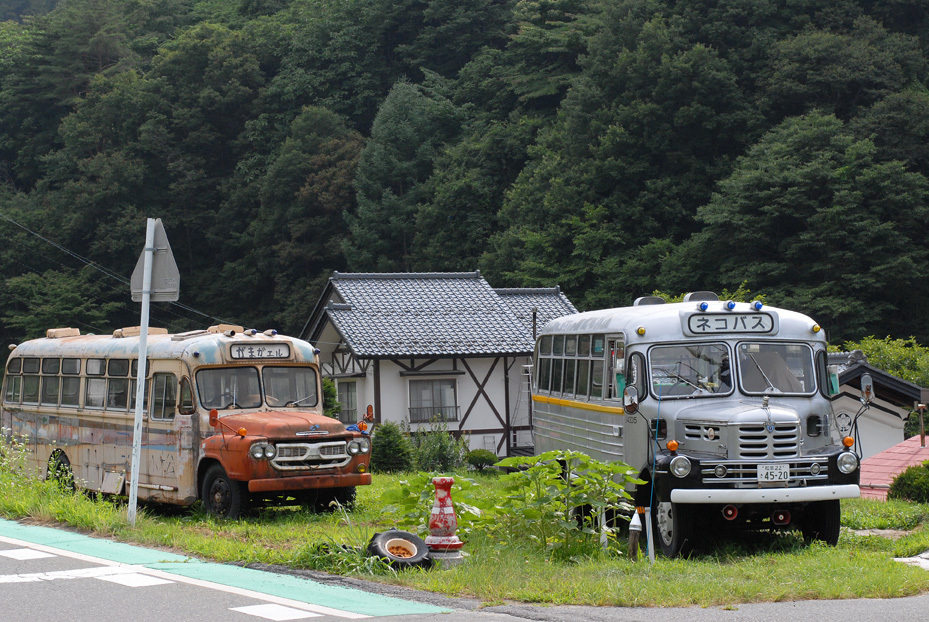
(680, 466)
(359, 446)
(847, 462)
(262, 451)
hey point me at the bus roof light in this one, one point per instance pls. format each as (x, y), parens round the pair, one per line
(756, 305)
(730, 304)
(703, 306)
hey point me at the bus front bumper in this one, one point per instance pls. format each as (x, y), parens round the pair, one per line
(309, 482)
(765, 495)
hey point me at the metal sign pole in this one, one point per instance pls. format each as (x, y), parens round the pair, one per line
(149, 252)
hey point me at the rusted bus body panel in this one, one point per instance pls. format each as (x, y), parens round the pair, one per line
(96, 440)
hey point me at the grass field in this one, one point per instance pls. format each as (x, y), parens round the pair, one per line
(501, 567)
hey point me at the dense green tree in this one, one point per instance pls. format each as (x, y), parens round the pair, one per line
(899, 127)
(838, 72)
(638, 143)
(294, 242)
(811, 216)
(410, 131)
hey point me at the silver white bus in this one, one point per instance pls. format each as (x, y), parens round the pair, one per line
(722, 407)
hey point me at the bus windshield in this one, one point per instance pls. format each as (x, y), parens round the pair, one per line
(229, 387)
(776, 368)
(690, 370)
(240, 387)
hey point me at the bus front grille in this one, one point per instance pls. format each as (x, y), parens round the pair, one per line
(303, 456)
(766, 441)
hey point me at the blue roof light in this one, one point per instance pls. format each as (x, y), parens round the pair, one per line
(730, 305)
(703, 306)
(756, 305)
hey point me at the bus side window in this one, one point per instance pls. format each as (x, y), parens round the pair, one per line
(165, 396)
(187, 398)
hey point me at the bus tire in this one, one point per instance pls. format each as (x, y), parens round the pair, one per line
(822, 521)
(222, 496)
(328, 499)
(400, 549)
(672, 526)
(59, 470)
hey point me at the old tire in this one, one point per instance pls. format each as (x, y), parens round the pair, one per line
(400, 549)
(672, 526)
(822, 521)
(59, 470)
(222, 496)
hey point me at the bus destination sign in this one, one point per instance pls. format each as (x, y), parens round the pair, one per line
(260, 351)
(716, 323)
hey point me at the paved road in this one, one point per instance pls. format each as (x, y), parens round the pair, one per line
(52, 574)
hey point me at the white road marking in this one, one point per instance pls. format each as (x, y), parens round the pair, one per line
(277, 613)
(24, 554)
(135, 579)
(119, 567)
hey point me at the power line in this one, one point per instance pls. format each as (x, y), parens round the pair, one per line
(100, 268)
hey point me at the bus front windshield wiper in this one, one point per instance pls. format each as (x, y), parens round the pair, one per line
(302, 399)
(763, 375)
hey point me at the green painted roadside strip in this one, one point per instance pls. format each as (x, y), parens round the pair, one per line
(284, 586)
(300, 589)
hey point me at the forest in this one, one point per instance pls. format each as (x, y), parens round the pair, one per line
(612, 147)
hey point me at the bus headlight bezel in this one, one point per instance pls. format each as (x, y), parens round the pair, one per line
(847, 462)
(680, 466)
(262, 451)
(358, 446)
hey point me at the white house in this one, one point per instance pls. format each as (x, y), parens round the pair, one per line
(880, 426)
(420, 347)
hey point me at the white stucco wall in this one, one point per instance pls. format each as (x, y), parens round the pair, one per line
(880, 426)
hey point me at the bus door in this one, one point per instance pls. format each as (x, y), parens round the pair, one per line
(162, 457)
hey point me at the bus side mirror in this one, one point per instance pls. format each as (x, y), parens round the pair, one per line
(214, 417)
(832, 373)
(867, 389)
(631, 400)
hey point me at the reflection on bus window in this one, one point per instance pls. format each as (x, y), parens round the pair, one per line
(776, 368)
(229, 388)
(690, 371)
(290, 386)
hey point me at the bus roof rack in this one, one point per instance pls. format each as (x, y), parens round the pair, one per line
(648, 300)
(58, 333)
(135, 331)
(697, 296)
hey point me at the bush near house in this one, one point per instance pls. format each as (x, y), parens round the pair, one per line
(391, 449)
(912, 484)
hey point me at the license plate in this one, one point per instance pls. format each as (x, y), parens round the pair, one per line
(773, 473)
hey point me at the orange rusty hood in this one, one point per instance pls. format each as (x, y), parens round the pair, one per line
(285, 424)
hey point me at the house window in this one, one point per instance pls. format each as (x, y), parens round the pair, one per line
(348, 402)
(433, 400)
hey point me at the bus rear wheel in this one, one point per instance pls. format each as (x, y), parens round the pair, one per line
(222, 496)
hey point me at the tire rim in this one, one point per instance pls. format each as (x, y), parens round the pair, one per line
(665, 521)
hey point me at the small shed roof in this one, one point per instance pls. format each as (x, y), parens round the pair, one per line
(853, 365)
(438, 314)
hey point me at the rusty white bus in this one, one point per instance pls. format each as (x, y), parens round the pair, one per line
(723, 408)
(232, 417)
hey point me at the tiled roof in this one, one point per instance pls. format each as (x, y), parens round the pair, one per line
(878, 471)
(549, 303)
(425, 314)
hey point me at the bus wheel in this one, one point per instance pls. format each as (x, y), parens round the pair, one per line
(821, 521)
(59, 470)
(672, 524)
(327, 498)
(222, 496)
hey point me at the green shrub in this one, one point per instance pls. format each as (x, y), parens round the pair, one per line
(480, 459)
(391, 450)
(436, 449)
(912, 484)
